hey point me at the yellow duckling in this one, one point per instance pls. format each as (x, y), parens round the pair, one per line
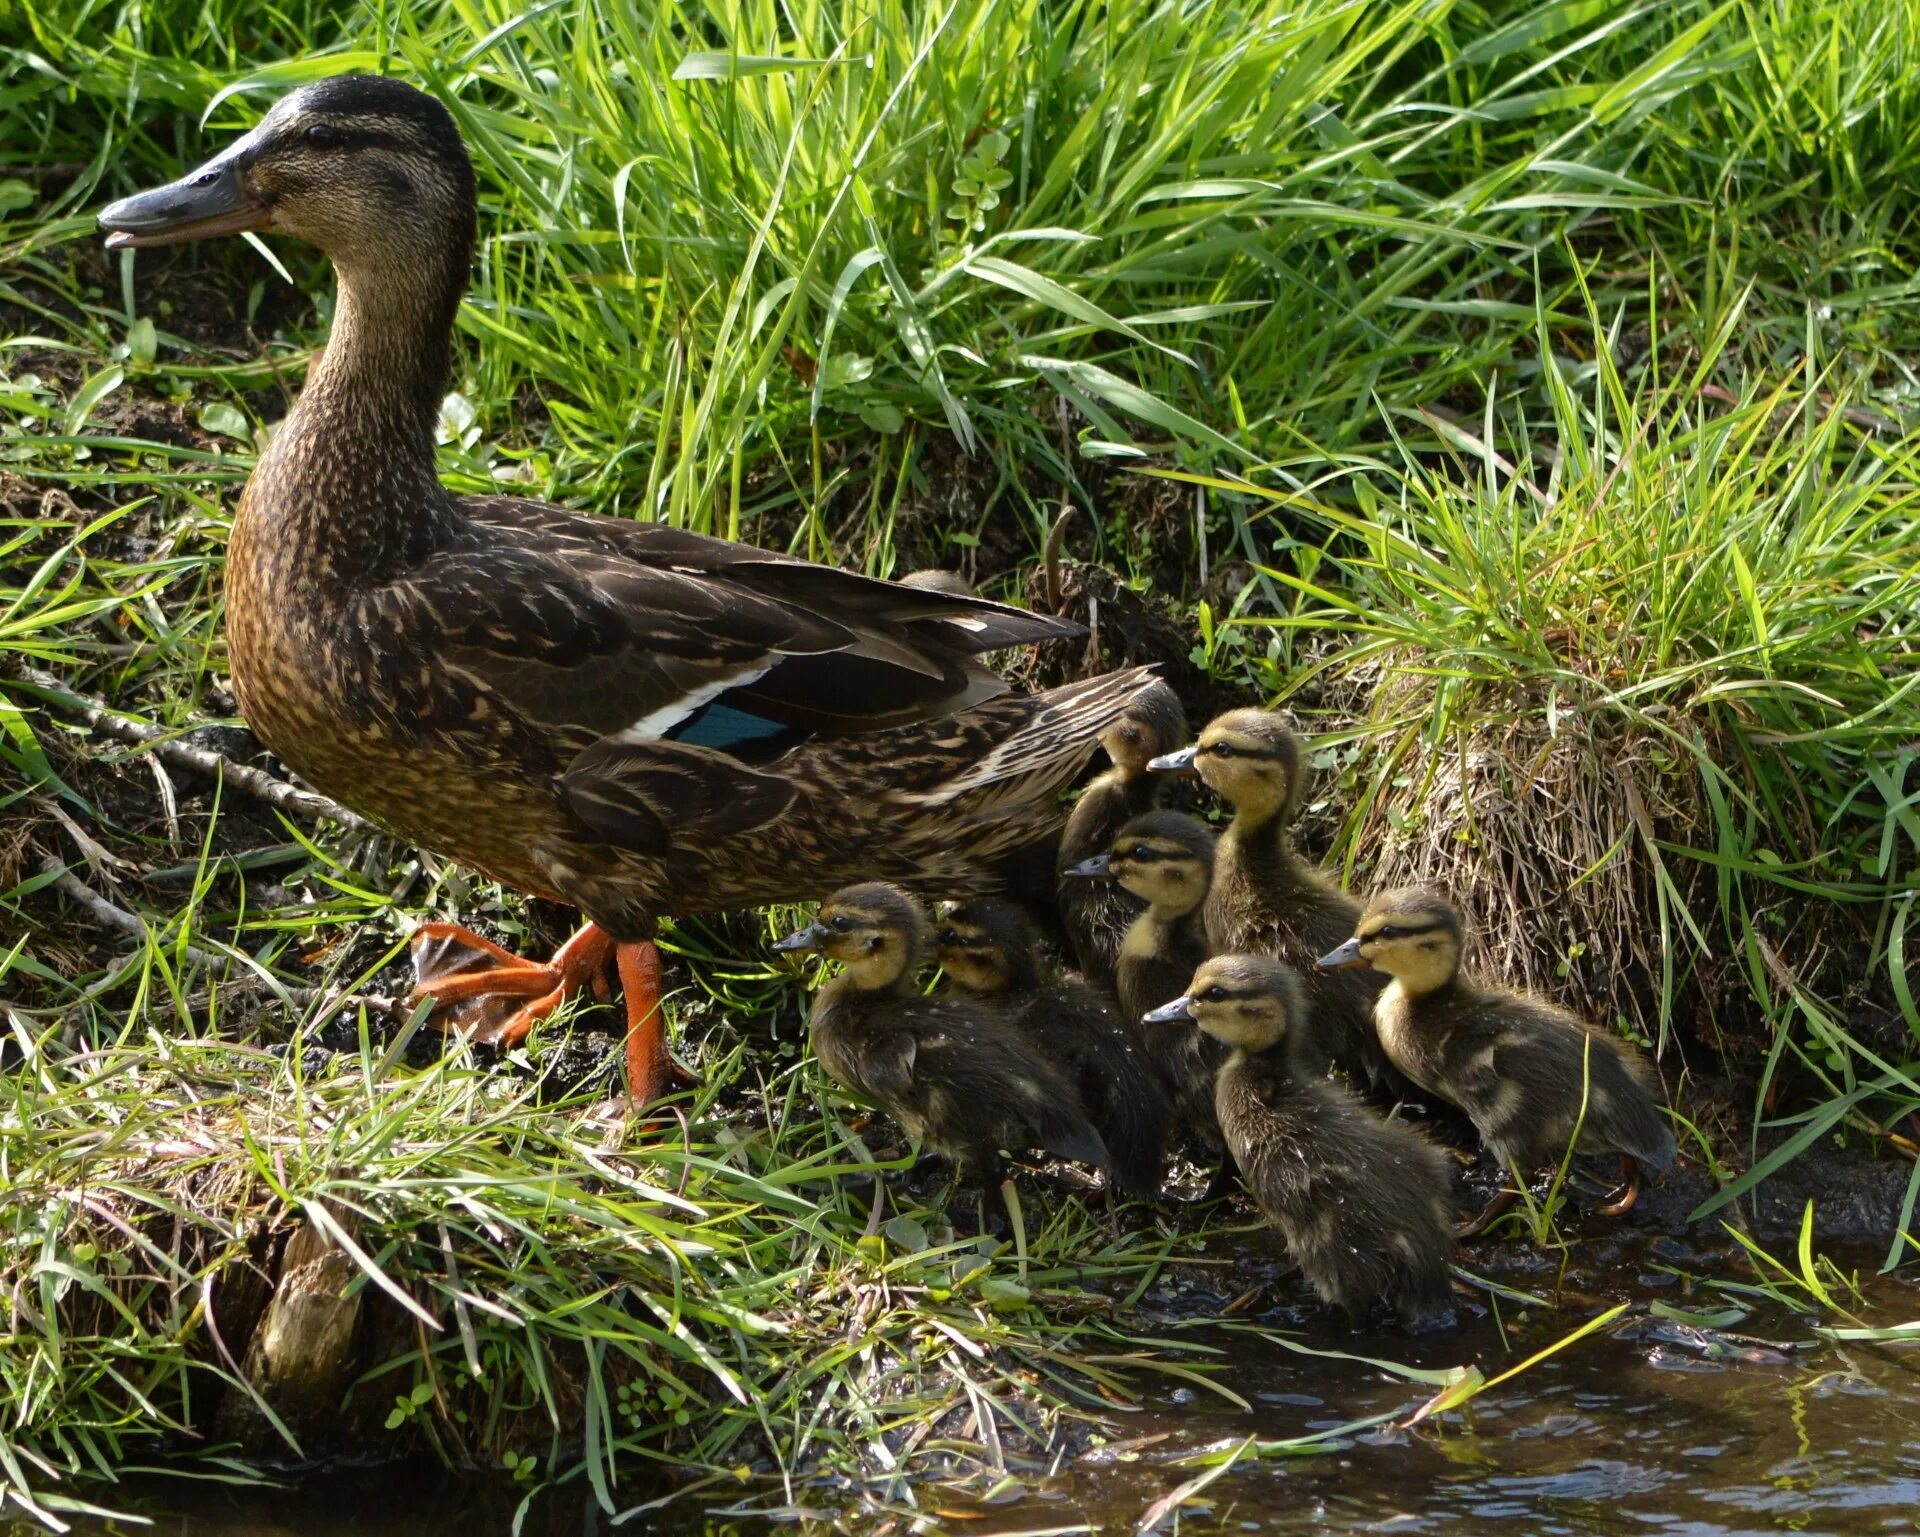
(1266, 899)
(1165, 858)
(989, 948)
(1360, 1202)
(1097, 914)
(1528, 1073)
(954, 1072)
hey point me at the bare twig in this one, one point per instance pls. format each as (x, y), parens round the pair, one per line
(258, 783)
(110, 916)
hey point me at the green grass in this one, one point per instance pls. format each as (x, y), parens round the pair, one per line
(1522, 395)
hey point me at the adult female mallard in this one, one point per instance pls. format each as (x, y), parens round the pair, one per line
(989, 948)
(1097, 914)
(1361, 1202)
(957, 1073)
(1266, 899)
(630, 718)
(1529, 1074)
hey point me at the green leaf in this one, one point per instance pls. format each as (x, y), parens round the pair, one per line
(226, 419)
(1044, 290)
(882, 417)
(95, 390)
(142, 343)
(707, 65)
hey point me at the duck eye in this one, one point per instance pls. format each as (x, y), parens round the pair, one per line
(1141, 851)
(1221, 749)
(840, 923)
(324, 136)
(1215, 994)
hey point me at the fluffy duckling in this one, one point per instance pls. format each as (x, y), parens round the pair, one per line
(955, 1073)
(1165, 858)
(989, 948)
(1266, 899)
(1525, 1071)
(1097, 914)
(1361, 1203)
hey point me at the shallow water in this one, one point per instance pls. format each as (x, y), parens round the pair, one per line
(1620, 1432)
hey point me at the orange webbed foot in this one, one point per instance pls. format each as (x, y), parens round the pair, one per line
(491, 995)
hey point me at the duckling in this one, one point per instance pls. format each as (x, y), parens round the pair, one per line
(955, 1073)
(1527, 1072)
(1165, 858)
(1097, 914)
(990, 949)
(1361, 1203)
(1266, 899)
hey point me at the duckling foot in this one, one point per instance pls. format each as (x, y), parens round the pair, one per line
(491, 995)
(1488, 1213)
(1620, 1201)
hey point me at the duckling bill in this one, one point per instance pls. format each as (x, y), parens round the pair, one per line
(1529, 1074)
(956, 1073)
(1361, 1203)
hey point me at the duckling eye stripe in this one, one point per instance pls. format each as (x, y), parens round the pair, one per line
(1403, 930)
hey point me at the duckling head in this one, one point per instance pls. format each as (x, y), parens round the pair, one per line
(1251, 760)
(1250, 1002)
(370, 170)
(876, 931)
(1163, 857)
(1413, 934)
(988, 946)
(1154, 724)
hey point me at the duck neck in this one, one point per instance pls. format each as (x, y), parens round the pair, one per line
(351, 470)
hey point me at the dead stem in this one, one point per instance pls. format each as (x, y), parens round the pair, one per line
(261, 785)
(110, 916)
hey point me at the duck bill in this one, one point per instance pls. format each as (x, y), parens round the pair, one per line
(213, 200)
(1180, 762)
(808, 938)
(1346, 958)
(1174, 1011)
(1098, 868)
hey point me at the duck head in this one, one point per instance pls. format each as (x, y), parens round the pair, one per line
(1413, 934)
(876, 931)
(1251, 759)
(1163, 857)
(1250, 1002)
(1154, 724)
(988, 947)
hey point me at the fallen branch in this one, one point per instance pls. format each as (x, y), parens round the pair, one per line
(111, 916)
(261, 785)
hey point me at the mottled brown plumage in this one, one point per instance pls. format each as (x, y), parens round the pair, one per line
(989, 948)
(1267, 900)
(1525, 1071)
(955, 1071)
(630, 718)
(1361, 1203)
(1097, 914)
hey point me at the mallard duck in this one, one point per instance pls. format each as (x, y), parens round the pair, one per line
(1097, 914)
(989, 948)
(1361, 1203)
(1525, 1071)
(956, 1072)
(1165, 858)
(1266, 899)
(629, 718)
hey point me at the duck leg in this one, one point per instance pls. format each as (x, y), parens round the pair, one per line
(1495, 1208)
(492, 995)
(1620, 1201)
